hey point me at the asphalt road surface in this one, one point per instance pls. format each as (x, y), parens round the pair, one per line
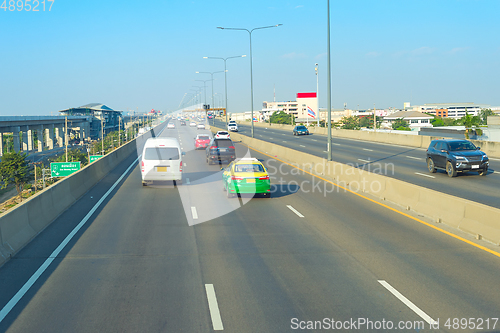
(144, 262)
(401, 162)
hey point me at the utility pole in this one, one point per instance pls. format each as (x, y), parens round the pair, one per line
(102, 131)
(119, 129)
(66, 136)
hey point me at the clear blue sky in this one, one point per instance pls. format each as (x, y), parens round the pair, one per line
(144, 54)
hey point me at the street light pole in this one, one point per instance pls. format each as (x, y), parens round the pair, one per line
(317, 92)
(329, 84)
(225, 76)
(251, 70)
(212, 75)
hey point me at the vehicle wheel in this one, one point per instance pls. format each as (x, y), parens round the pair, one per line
(144, 184)
(483, 172)
(450, 169)
(431, 166)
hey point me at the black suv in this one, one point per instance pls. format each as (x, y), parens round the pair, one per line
(456, 155)
(219, 150)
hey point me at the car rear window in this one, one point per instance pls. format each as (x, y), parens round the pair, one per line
(223, 143)
(462, 145)
(204, 137)
(161, 153)
(222, 133)
(248, 168)
(301, 127)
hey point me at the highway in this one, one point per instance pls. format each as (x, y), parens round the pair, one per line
(404, 163)
(167, 258)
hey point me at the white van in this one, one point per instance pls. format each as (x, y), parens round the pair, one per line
(161, 160)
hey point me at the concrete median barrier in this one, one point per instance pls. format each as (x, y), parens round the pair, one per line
(471, 217)
(22, 223)
(491, 148)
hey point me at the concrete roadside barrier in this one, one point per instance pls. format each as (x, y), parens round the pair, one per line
(472, 217)
(491, 148)
(19, 225)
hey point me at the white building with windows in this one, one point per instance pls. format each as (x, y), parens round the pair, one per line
(451, 110)
(414, 118)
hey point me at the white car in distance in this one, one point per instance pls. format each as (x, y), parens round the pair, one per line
(232, 126)
(222, 135)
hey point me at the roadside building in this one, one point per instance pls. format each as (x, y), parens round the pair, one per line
(415, 119)
(99, 114)
(451, 110)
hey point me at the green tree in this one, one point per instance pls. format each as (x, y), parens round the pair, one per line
(484, 115)
(365, 121)
(15, 169)
(281, 118)
(74, 155)
(437, 122)
(400, 124)
(350, 122)
(471, 124)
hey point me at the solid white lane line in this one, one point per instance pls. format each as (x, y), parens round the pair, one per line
(214, 308)
(415, 158)
(407, 302)
(335, 144)
(8, 307)
(302, 146)
(359, 159)
(194, 213)
(295, 211)
(423, 174)
(367, 149)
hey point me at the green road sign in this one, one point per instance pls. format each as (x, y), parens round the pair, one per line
(63, 169)
(95, 157)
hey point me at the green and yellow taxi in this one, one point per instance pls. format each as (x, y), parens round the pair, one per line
(246, 175)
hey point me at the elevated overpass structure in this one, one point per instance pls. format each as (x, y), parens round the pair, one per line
(49, 131)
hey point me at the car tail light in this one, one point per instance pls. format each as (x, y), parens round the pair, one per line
(180, 167)
(231, 147)
(264, 178)
(236, 178)
(142, 166)
(213, 147)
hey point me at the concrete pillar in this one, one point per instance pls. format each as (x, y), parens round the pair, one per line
(25, 141)
(15, 137)
(50, 136)
(41, 141)
(29, 137)
(59, 135)
(1, 144)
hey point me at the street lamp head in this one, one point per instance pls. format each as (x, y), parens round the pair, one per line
(277, 25)
(205, 57)
(220, 28)
(243, 56)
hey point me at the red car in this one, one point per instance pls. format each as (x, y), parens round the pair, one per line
(201, 141)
